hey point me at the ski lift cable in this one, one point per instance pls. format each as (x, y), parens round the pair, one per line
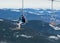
(55, 1)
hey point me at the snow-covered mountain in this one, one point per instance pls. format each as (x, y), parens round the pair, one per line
(31, 14)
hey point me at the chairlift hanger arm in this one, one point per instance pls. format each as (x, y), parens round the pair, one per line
(23, 7)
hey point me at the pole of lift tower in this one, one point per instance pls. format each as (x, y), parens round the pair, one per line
(52, 14)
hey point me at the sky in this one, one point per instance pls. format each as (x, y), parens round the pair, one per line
(16, 4)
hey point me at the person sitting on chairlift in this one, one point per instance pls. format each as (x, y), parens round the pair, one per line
(23, 19)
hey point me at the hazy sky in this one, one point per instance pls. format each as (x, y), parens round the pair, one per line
(15, 4)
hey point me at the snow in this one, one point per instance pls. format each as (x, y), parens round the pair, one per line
(58, 36)
(54, 27)
(17, 36)
(53, 37)
(16, 10)
(49, 11)
(3, 42)
(14, 20)
(26, 36)
(1, 20)
(41, 11)
(36, 13)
